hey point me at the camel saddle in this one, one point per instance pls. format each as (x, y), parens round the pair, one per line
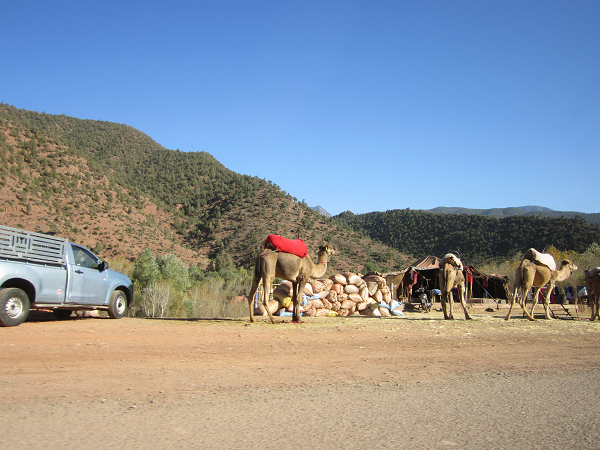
(452, 259)
(592, 272)
(295, 247)
(545, 259)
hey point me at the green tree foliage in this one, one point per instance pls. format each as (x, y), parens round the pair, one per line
(474, 237)
(146, 270)
(173, 270)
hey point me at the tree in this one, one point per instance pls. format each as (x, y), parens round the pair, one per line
(172, 269)
(145, 271)
(223, 261)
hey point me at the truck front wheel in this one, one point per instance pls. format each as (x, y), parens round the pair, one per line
(14, 307)
(117, 305)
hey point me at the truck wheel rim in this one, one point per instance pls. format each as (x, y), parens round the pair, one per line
(14, 308)
(120, 305)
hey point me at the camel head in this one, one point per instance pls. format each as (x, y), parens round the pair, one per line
(326, 249)
(570, 264)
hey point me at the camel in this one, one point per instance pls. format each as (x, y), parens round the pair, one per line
(407, 284)
(592, 286)
(451, 276)
(286, 266)
(531, 273)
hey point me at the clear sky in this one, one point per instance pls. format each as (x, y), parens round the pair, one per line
(351, 105)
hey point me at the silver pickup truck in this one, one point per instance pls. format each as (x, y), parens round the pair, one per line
(39, 271)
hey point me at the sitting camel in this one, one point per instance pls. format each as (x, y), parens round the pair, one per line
(451, 276)
(531, 273)
(592, 286)
(287, 266)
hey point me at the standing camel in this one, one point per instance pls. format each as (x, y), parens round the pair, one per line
(408, 281)
(592, 286)
(532, 273)
(287, 266)
(451, 276)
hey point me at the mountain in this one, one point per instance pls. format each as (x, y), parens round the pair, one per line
(500, 213)
(535, 208)
(114, 189)
(321, 210)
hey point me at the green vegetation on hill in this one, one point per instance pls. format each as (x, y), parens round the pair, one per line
(87, 176)
(475, 237)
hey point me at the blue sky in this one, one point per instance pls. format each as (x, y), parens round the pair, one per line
(352, 105)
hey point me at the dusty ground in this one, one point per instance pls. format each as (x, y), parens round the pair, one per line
(352, 383)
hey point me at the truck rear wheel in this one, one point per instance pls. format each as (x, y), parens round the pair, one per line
(118, 305)
(14, 307)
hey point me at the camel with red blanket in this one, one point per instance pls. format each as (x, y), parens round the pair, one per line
(274, 262)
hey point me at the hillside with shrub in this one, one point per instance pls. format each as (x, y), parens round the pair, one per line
(112, 188)
(477, 238)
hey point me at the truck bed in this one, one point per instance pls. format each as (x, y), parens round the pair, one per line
(31, 246)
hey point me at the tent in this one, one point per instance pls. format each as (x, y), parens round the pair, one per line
(487, 286)
(426, 271)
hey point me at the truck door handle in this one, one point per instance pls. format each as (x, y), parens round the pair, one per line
(79, 271)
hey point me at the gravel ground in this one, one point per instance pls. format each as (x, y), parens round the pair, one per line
(348, 383)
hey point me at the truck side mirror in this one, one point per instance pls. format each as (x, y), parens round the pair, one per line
(103, 266)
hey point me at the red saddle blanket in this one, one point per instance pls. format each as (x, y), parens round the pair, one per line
(296, 247)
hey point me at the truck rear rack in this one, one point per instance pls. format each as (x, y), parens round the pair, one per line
(28, 245)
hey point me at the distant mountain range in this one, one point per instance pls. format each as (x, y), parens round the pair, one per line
(500, 213)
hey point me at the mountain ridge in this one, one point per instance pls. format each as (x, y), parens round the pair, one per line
(500, 213)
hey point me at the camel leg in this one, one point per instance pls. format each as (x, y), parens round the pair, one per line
(251, 299)
(267, 282)
(522, 294)
(594, 306)
(255, 283)
(443, 300)
(461, 294)
(535, 301)
(547, 301)
(512, 303)
(444, 305)
(451, 304)
(297, 298)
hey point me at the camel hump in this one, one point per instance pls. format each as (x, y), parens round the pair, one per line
(545, 259)
(295, 247)
(592, 272)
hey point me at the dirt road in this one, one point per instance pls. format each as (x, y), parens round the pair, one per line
(347, 383)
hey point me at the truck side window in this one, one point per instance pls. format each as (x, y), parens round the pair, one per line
(84, 258)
